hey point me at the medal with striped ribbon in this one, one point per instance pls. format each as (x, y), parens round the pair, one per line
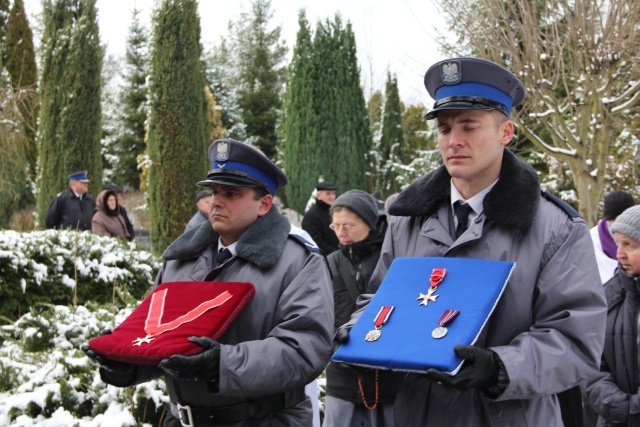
(381, 318)
(446, 318)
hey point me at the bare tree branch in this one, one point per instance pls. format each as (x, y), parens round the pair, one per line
(579, 60)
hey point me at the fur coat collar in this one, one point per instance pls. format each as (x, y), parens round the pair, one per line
(261, 244)
(512, 202)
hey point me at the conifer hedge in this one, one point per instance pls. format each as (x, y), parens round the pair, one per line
(178, 128)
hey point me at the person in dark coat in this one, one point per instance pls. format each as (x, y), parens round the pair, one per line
(72, 208)
(203, 204)
(316, 221)
(118, 191)
(614, 393)
(357, 399)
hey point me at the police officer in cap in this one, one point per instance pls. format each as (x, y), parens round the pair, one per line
(72, 208)
(256, 373)
(546, 333)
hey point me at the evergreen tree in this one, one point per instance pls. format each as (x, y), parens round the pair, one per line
(130, 144)
(214, 117)
(261, 74)
(221, 77)
(21, 65)
(374, 156)
(416, 131)
(178, 129)
(342, 133)
(70, 90)
(301, 153)
(326, 123)
(4, 19)
(391, 139)
(112, 123)
(374, 106)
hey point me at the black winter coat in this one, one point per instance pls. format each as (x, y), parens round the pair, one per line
(316, 222)
(68, 211)
(614, 393)
(351, 268)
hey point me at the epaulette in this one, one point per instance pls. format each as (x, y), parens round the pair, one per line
(311, 247)
(564, 206)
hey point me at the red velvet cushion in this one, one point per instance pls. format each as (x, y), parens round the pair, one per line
(180, 310)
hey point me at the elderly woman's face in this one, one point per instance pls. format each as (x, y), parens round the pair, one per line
(628, 254)
(112, 203)
(349, 227)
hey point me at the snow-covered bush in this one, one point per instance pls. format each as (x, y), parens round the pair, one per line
(57, 385)
(43, 266)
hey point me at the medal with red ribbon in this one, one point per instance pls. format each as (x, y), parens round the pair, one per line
(381, 318)
(153, 326)
(437, 276)
(446, 318)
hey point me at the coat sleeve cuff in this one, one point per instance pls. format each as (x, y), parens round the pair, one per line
(495, 390)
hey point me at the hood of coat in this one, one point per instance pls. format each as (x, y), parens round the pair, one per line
(101, 203)
(252, 244)
(509, 205)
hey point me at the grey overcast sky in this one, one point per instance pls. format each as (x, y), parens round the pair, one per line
(391, 35)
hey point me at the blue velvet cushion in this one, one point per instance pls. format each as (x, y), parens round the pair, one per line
(472, 286)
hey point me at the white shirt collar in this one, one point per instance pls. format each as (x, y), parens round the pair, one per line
(475, 202)
(231, 247)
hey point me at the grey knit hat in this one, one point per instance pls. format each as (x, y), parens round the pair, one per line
(361, 203)
(628, 223)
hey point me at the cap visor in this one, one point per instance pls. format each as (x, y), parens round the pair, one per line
(226, 180)
(457, 106)
(86, 181)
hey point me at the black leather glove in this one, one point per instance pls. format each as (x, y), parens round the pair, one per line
(480, 369)
(120, 374)
(341, 337)
(202, 366)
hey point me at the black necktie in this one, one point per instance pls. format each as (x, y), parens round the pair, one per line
(462, 213)
(223, 256)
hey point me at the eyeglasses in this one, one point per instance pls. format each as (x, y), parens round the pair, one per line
(345, 227)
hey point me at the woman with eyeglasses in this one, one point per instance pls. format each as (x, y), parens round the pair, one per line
(356, 398)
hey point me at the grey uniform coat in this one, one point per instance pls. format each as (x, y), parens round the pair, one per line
(282, 339)
(615, 392)
(548, 328)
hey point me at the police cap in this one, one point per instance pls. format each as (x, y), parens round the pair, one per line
(79, 176)
(472, 84)
(241, 165)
